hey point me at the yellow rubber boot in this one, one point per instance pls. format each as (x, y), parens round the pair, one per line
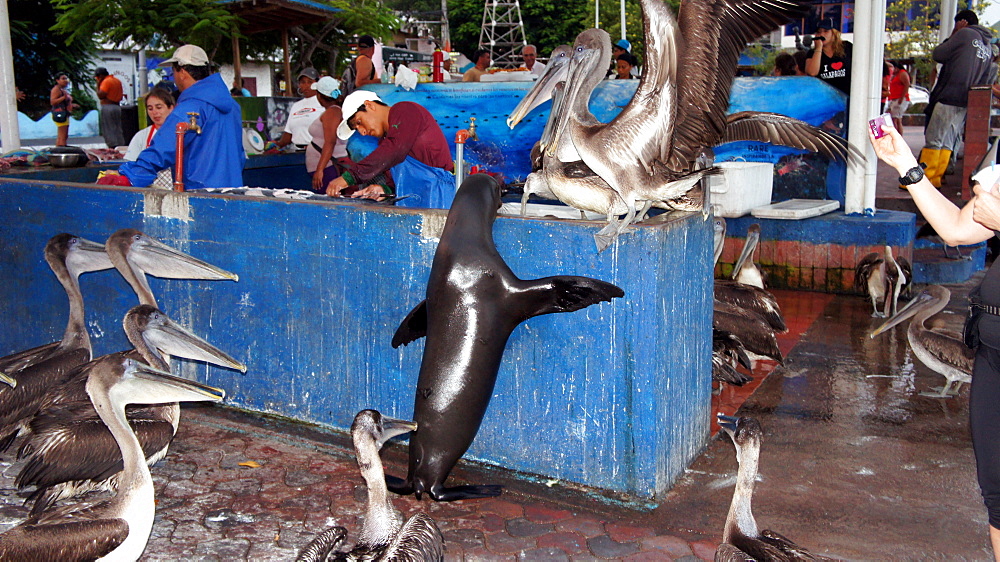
(944, 158)
(930, 158)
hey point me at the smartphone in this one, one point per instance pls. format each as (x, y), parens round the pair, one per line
(880, 122)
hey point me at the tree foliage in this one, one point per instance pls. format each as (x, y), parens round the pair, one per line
(40, 53)
(913, 33)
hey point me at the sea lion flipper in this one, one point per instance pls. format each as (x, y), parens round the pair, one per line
(398, 485)
(456, 493)
(566, 293)
(413, 327)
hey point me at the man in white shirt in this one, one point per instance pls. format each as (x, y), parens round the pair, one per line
(302, 113)
(530, 56)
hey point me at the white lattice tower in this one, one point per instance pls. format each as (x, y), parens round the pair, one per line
(503, 32)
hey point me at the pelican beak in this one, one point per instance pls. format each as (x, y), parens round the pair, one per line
(391, 427)
(160, 260)
(540, 93)
(4, 378)
(174, 339)
(915, 305)
(146, 385)
(753, 238)
(88, 256)
(727, 423)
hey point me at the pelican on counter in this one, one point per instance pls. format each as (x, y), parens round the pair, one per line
(541, 91)
(116, 528)
(741, 540)
(718, 238)
(745, 271)
(943, 353)
(68, 256)
(678, 110)
(883, 278)
(383, 535)
(70, 451)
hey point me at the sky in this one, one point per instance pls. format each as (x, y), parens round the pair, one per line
(992, 13)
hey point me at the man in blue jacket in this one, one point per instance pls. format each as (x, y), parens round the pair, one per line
(212, 158)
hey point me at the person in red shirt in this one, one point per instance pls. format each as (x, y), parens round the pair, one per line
(899, 94)
(411, 147)
(109, 91)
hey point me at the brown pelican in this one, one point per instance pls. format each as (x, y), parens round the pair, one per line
(136, 254)
(943, 353)
(68, 256)
(727, 352)
(116, 528)
(541, 91)
(383, 535)
(718, 238)
(741, 540)
(758, 337)
(678, 110)
(883, 278)
(70, 451)
(745, 271)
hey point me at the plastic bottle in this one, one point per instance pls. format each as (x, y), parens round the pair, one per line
(390, 72)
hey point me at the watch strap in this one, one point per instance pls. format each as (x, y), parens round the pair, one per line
(917, 171)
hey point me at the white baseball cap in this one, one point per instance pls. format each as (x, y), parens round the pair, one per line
(351, 104)
(328, 86)
(188, 55)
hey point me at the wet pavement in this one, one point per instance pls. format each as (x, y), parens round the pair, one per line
(855, 464)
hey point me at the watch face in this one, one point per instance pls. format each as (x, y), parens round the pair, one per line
(913, 175)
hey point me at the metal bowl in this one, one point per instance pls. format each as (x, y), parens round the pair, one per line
(68, 160)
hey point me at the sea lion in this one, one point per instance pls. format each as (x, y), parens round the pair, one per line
(474, 301)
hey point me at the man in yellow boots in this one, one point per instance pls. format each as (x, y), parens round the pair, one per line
(965, 59)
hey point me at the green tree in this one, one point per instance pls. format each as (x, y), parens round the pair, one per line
(912, 27)
(40, 53)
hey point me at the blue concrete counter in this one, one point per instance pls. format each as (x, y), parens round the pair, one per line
(615, 396)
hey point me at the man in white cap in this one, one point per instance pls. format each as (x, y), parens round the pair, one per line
(411, 147)
(214, 156)
(302, 113)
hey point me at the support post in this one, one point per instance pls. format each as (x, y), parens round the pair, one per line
(866, 85)
(288, 63)
(238, 63)
(10, 131)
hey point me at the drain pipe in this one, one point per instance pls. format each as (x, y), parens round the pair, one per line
(460, 137)
(181, 129)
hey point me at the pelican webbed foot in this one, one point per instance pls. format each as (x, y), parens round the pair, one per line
(945, 391)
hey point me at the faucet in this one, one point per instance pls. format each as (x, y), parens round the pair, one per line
(182, 128)
(472, 129)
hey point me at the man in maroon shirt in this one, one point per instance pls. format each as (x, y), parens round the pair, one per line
(411, 147)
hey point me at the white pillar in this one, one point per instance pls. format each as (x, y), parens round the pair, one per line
(948, 10)
(10, 132)
(623, 18)
(866, 86)
(143, 75)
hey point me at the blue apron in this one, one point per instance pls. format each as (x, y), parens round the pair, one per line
(422, 185)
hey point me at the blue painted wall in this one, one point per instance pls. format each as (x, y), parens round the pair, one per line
(615, 396)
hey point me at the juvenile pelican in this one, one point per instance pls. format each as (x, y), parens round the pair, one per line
(943, 353)
(383, 535)
(117, 528)
(745, 271)
(758, 337)
(70, 451)
(883, 279)
(727, 352)
(36, 370)
(741, 540)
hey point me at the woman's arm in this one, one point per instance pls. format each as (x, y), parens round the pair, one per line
(812, 63)
(955, 226)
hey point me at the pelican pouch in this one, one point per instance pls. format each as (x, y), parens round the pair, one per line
(970, 333)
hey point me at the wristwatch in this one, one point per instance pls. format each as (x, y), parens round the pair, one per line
(912, 176)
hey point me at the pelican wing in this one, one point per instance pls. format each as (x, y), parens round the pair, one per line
(68, 540)
(72, 443)
(729, 553)
(787, 131)
(419, 540)
(17, 361)
(753, 299)
(757, 336)
(320, 547)
(792, 550)
(949, 350)
(715, 32)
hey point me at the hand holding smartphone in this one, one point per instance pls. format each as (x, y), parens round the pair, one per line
(877, 124)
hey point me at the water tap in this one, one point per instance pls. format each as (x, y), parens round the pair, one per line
(193, 122)
(472, 129)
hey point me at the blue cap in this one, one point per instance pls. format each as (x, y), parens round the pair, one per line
(826, 23)
(624, 44)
